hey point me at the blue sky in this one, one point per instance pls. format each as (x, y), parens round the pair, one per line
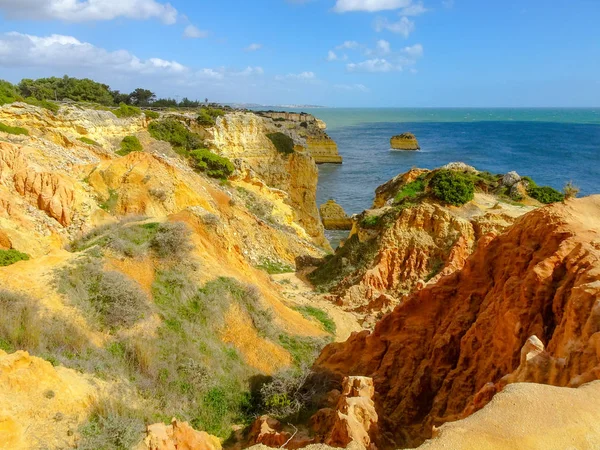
(326, 52)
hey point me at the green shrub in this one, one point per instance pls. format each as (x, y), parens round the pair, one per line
(79, 90)
(570, 190)
(13, 130)
(320, 315)
(110, 428)
(410, 190)
(172, 240)
(124, 111)
(110, 204)
(370, 221)
(8, 257)
(8, 93)
(151, 114)
(545, 194)
(112, 298)
(207, 116)
(176, 134)
(129, 144)
(51, 106)
(274, 267)
(452, 187)
(88, 141)
(214, 165)
(282, 142)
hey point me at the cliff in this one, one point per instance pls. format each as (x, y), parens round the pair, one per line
(242, 137)
(184, 259)
(310, 133)
(404, 141)
(394, 248)
(448, 348)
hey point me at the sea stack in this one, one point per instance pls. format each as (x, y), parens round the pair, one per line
(334, 217)
(404, 141)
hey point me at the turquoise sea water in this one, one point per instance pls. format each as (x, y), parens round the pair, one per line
(553, 146)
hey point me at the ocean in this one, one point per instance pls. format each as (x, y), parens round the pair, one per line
(553, 146)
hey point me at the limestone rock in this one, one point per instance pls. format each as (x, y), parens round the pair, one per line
(460, 167)
(446, 342)
(511, 178)
(528, 416)
(177, 436)
(334, 217)
(404, 141)
(354, 418)
(323, 149)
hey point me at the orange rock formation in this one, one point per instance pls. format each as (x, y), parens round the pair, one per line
(431, 357)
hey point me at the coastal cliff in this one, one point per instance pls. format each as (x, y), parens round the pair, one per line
(444, 351)
(404, 141)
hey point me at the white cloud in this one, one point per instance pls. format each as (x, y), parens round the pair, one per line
(383, 46)
(404, 26)
(88, 10)
(253, 47)
(193, 32)
(413, 51)
(250, 71)
(416, 9)
(302, 76)
(373, 65)
(342, 6)
(351, 87)
(64, 52)
(331, 56)
(350, 45)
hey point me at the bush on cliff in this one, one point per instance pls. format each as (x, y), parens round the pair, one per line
(208, 116)
(8, 257)
(8, 93)
(545, 194)
(411, 190)
(88, 141)
(129, 144)
(282, 142)
(13, 130)
(176, 134)
(213, 165)
(124, 111)
(452, 187)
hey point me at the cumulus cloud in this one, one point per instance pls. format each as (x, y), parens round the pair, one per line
(350, 45)
(383, 46)
(416, 9)
(351, 87)
(413, 51)
(331, 56)
(373, 65)
(403, 27)
(253, 47)
(193, 32)
(88, 10)
(342, 6)
(302, 76)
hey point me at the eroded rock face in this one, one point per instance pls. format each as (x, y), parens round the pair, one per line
(177, 436)
(334, 217)
(444, 344)
(242, 137)
(404, 141)
(353, 419)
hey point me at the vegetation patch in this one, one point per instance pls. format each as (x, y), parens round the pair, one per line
(46, 104)
(129, 144)
(124, 111)
(322, 316)
(213, 165)
(151, 114)
(176, 134)
(208, 116)
(274, 267)
(8, 257)
(370, 221)
(88, 141)
(13, 130)
(452, 187)
(8, 93)
(110, 204)
(411, 190)
(545, 194)
(282, 142)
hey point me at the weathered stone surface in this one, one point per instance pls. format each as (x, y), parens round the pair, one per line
(334, 217)
(404, 141)
(511, 178)
(177, 436)
(445, 343)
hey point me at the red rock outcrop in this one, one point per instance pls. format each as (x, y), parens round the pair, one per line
(177, 436)
(444, 344)
(354, 418)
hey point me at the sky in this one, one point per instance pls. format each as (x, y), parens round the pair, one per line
(346, 53)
